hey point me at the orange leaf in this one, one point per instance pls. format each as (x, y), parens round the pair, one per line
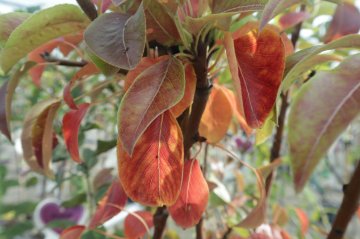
(217, 116)
(87, 70)
(236, 112)
(69, 42)
(137, 224)
(304, 220)
(358, 213)
(38, 138)
(105, 210)
(153, 174)
(257, 62)
(190, 86)
(156, 90)
(73, 232)
(193, 198)
(346, 20)
(70, 129)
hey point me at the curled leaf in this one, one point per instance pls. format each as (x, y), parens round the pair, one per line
(136, 224)
(106, 209)
(70, 129)
(154, 91)
(153, 174)
(191, 203)
(37, 138)
(257, 62)
(8, 22)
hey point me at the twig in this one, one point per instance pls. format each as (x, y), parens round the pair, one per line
(348, 206)
(89, 8)
(62, 62)
(227, 233)
(160, 218)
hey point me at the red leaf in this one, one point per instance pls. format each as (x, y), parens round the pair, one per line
(156, 90)
(134, 225)
(346, 20)
(153, 174)
(291, 19)
(70, 128)
(87, 70)
(110, 205)
(217, 116)
(304, 220)
(105, 4)
(73, 232)
(69, 42)
(257, 60)
(193, 198)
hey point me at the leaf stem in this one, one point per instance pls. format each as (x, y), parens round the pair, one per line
(160, 218)
(89, 8)
(62, 62)
(348, 207)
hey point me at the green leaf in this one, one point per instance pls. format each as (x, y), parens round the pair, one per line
(295, 63)
(103, 146)
(322, 109)
(60, 223)
(105, 68)
(40, 28)
(31, 182)
(16, 229)
(8, 22)
(75, 201)
(6, 94)
(219, 6)
(118, 39)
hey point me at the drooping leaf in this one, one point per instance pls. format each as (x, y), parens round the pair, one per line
(118, 39)
(322, 109)
(219, 6)
(346, 20)
(8, 22)
(115, 196)
(70, 128)
(153, 174)
(6, 94)
(73, 232)
(221, 21)
(295, 62)
(40, 28)
(160, 25)
(217, 116)
(263, 133)
(291, 19)
(137, 224)
(273, 8)
(304, 220)
(191, 203)
(154, 91)
(37, 138)
(267, 169)
(257, 62)
(187, 99)
(105, 68)
(103, 177)
(88, 70)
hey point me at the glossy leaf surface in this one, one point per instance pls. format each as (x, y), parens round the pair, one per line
(118, 39)
(153, 174)
(319, 114)
(70, 128)
(193, 198)
(217, 116)
(154, 91)
(259, 66)
(37, 138)
(137, 224)
(40, 28)
(110, 205)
